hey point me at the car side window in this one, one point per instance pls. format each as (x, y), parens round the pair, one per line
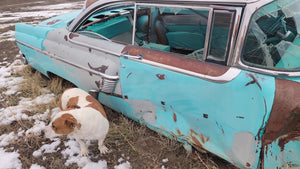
(272, 40)
(222, 24)
(114, 23)
(172, 29)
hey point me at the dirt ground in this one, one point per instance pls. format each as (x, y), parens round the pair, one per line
(144, 147)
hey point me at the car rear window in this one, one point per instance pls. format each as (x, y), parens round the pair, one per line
(273, 40)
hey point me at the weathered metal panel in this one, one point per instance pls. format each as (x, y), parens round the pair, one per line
(281, 139)
(58, 43)
(224, 118)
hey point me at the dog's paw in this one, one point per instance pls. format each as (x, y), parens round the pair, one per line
(84, 153)
(103, 149)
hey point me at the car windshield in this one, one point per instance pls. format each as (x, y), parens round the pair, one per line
(273, 37)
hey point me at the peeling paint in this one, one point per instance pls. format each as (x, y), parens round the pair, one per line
(144, 110)
(174, 117)
(178, 132)
(101, 69)
(284, 118)
(73, 35)
(160, 76)
(243, 149)
(254, 81)
(53, 22)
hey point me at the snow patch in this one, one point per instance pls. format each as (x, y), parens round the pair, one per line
(9, 159)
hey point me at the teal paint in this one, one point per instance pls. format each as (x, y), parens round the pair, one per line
(284, 156)
(206, 112)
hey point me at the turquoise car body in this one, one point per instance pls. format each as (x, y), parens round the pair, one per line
(237, 111)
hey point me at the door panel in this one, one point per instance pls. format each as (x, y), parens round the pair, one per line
(220, 117)
(87, 61)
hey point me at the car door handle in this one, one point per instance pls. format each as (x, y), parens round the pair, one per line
(126, 55)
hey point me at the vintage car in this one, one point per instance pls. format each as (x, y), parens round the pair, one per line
(219, 75)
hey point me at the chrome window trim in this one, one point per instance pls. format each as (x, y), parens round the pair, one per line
(234, 31)
(208, 34)
(245, 22)
(134, 25)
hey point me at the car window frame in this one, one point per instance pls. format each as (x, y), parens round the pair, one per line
(88, 12)
(237, 15)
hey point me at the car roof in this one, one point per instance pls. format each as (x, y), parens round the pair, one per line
(185, 1)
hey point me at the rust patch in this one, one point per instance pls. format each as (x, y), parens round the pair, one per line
(254, 81)
(101, 69)
(66, 38)
(53, 22)
(203, 138)
(178, 61)
(160, 76)
(293, 132)
(97, 84)
(95, 105)
(248, 164)
(196, 141)
(178, 131)
(284, 120)
(174, 117)
(240, 117)
(73, 103)
(73, 35)
(65, 124)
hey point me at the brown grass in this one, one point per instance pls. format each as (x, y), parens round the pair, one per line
(143, 147)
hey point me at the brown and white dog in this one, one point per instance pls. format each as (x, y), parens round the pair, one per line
(82, 116)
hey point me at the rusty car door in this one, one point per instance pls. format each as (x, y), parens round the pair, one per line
(207, 105)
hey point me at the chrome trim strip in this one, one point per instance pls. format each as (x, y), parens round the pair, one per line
(96, 34)
(105, 76)
(134, 24)
(88, 46)
(208, 32)
(228, 76)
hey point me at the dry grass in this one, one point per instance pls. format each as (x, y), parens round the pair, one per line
(126, 138)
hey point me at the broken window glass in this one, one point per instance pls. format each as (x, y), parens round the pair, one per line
(272, 40)
(113, 23)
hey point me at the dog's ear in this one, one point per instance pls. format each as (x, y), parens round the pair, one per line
(70, 121)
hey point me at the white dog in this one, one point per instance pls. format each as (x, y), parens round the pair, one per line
(82, 116)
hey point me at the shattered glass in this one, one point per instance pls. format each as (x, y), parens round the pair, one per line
(273, 39)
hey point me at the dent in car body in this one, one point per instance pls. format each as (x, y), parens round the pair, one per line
(187, 110)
